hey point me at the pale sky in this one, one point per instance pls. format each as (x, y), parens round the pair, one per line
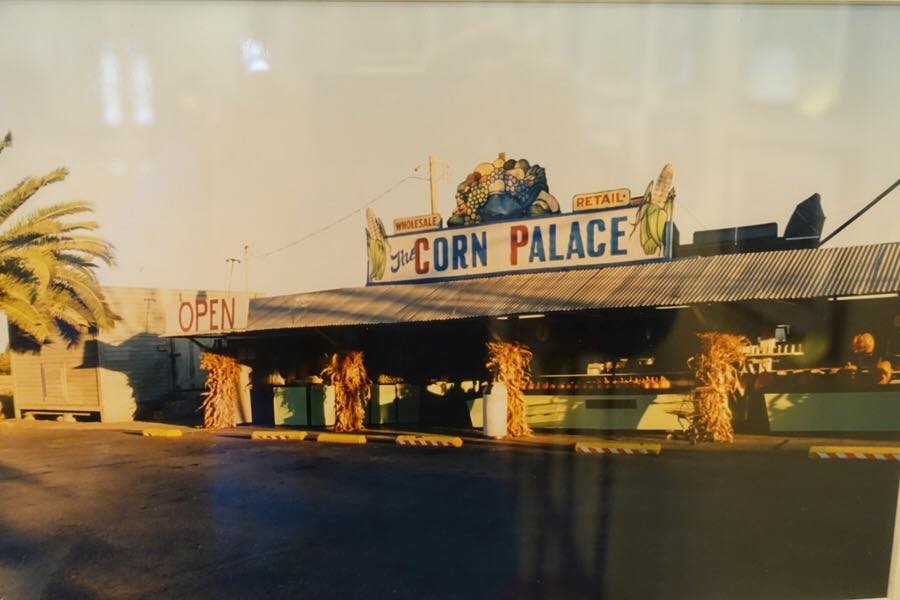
(198, 128)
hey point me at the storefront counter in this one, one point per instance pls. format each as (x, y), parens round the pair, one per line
(835, 411)
(313, 405)
(656, 412)
(639, 411)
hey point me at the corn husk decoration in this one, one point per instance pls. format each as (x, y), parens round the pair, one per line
(510, 364)
(352, 390)
(377, 245)
(223, 381)
(717, 368)
(655, 211)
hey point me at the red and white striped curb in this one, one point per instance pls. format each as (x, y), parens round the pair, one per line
(611, 451)
(266, 435)
(855, 452)
(618, 448)
(411, 440)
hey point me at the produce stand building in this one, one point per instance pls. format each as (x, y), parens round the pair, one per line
(609, 302)
(610, 344)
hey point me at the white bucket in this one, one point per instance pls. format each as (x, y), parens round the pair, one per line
(495, 411)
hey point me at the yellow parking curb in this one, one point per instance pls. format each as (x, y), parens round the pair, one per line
(161, 432)
(617, 448)
(341, 438)
(429, 440)
(279, 435)
(856, 452)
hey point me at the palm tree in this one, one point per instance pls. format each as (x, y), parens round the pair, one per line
(47, 261)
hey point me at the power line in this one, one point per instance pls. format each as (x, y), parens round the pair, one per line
(860, 212)
(344, 218)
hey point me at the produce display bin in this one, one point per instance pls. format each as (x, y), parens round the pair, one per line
(291, 405)
(321, 405)
(393, 404)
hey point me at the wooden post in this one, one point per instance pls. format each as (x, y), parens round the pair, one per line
(246, 270)
(434, 188)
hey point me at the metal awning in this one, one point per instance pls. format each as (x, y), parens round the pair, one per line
(776, 275)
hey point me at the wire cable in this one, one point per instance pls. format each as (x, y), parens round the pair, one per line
(860, 212)
(343, 218)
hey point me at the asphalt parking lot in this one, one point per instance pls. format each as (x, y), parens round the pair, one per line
(101, 513)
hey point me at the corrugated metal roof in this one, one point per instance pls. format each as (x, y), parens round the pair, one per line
(776, 275)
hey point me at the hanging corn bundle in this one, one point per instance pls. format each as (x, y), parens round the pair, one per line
(352, 390)
(510, 364)
(223, 381)
(716, 369)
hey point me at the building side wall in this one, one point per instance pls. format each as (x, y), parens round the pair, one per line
(57, 376)
(126, 371)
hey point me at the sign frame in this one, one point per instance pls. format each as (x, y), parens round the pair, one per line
(665, 252)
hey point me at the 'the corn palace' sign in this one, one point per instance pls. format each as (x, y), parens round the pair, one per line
(615, 232)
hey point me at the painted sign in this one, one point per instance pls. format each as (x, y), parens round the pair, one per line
(505, 189)
(607, 199)
(506, 221)
(206, 313)
(420, 223)
(583, 239)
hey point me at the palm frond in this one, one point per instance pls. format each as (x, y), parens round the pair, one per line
(85, 288)
(17, 285)
(89, 247)
(28, 187)
(48, 283)
(47, 220)
(26, 317)
(59, 304)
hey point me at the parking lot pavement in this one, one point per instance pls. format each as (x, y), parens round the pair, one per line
(96, 512)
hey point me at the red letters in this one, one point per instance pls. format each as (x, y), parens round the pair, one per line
(190, 313)
(218, 312)
(518, 238)
(421, 245)
(212, 314)
(227, 316)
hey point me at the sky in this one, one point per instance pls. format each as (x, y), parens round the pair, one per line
(197, 129)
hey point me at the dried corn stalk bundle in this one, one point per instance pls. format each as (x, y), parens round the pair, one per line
(223, 380)
(510, 364)
(352, 390)
(717, 368)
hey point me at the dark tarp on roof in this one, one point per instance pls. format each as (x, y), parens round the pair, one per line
(775, 275)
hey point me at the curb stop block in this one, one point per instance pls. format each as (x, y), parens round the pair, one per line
(617, 448)
(161, 432)
(297, 436)
(341, 438)
(856, 452)
(429, 440)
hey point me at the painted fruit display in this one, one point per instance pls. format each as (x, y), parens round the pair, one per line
(500, 190)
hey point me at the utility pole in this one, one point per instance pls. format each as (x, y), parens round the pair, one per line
(231, 262)
(246, 270)
(432, 178)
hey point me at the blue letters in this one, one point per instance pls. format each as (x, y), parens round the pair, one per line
(595, 250)
(440, 254)
(616, 234)
(537, 246)
(479, 249)
(459, 252)
(576, 246)
(553, 254)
